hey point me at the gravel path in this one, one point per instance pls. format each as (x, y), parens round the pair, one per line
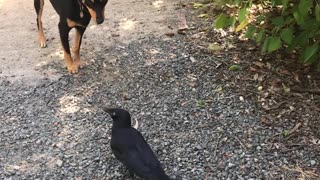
(57, 130)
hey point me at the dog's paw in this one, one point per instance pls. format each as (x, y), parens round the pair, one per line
(73, 68)
(43, 44)
(78, 63)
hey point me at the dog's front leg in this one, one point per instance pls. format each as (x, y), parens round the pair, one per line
(64, 30)
(38, 5)
(77, 44)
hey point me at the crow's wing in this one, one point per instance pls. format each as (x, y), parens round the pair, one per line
(134, 152)
(141, 158)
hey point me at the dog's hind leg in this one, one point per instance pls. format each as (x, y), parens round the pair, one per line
(38, 5)
(77, 44)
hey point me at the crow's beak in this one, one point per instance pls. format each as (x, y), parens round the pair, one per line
(108, 110)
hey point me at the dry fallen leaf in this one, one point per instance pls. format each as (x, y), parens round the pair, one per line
(252, 69)
(214, 47)
(259, 64)
(169, 34)
(284, 71)
(182, 22)
(256, 76)
(266, 120)
(285, 88)
(296, 77)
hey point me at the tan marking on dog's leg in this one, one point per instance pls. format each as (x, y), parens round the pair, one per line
(93, 14)
(42, 39)
(76, 48)
(71, 66)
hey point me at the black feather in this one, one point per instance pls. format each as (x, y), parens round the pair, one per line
(130, 148)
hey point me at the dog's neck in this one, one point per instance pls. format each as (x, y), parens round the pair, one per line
(81, 5)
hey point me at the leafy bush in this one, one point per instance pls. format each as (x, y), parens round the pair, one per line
(293, 24)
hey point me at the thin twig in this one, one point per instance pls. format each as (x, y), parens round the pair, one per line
(242, 145)
(294, 129)
(304, 174)
(216, 146)
(303, 90)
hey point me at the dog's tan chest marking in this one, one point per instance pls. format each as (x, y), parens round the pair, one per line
(72, 24)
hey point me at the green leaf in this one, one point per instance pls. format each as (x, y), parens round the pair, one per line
(197, 5)
(271, 44)
(250, 31)
(278, 21)
(317, 12)
(221, 22)
(276, 2)
(234, 68)
(274, 43)
(201, 103)
(288, 20)
(232, 22)
(284, 3)
(242, 25)
(298, 17)
(286, 133)
(235, 2)
(242, 14)
(218, 88)
(260, 36)
(305, 6)
(287, 35)
(265, 45)
(302, 39)
(284, 6)
(308, 52)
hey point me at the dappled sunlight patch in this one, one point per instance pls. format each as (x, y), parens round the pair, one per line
(155, 56)
(157, 4)
(128, 24)
(1, 3)
(64, 132)
(57, 55)
(154, 51)
(51, 162)
(152, 61)
(69, 104)
(22, 166)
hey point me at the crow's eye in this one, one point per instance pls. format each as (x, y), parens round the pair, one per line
(113, 114)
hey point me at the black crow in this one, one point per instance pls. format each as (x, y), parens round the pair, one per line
(130, 148)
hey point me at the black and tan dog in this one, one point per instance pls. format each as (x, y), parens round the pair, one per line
(73, 14)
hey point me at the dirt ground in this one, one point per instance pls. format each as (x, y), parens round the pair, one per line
(23, 60)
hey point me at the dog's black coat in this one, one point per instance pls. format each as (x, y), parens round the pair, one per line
(129, 147)
(73, 14)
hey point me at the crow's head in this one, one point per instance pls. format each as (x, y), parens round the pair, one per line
(121, 118)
